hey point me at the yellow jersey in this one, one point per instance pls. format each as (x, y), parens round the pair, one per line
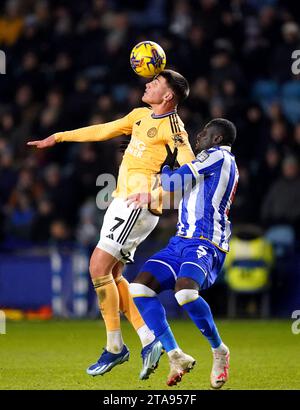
(146, 151)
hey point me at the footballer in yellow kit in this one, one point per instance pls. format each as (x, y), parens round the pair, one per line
(125, 227)
(142, 160)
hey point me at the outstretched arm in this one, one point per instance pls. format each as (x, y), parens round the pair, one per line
(99, 132)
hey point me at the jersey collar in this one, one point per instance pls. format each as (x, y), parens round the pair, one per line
(163, 115)
(227, 147)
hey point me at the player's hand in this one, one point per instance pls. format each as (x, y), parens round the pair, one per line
(45, 143)
(170, 158)
(140, 200)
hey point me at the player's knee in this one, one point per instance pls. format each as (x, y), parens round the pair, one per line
(186, 295)
(101, 263)
(185, 283)
(117, 270)
(95, 268)
(140, 290)
(146, 278)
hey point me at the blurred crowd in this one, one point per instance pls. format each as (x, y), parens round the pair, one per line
(68, 67)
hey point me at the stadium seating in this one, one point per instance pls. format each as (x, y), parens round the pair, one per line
(282, 238)
(265, 92)
(290, 99)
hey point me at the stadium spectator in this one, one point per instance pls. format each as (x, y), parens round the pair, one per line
(8, 175)
(59, 233)
(20, 217)
(282, 202)
(11, 23)
(42, 221)
(279, 70)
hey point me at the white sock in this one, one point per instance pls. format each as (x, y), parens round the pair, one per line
(221, 349)
(145, 335)
(177, 350)
(114, 341)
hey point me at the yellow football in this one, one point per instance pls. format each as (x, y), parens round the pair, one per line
(147, 59)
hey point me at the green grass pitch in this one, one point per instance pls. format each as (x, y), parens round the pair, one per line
(55, 354)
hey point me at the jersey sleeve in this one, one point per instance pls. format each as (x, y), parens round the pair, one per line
(174, 180)
(175, 136)
(185, 154)
(102, 132)
(206, 162)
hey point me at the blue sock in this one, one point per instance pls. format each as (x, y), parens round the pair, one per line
(167, 339)
(154, 315)
(200, 313)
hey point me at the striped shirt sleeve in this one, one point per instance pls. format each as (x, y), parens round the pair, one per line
(206, 162)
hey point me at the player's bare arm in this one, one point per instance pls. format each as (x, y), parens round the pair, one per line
(92, 133)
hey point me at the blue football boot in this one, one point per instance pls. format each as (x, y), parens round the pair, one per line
(150, 355)
(107, 361)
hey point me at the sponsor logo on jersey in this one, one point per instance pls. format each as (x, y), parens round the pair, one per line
(178, 139)
(201, 251)
(136, 147)
(202, 156)
(152, 132)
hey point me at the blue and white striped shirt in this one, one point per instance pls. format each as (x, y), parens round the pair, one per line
(203, 210)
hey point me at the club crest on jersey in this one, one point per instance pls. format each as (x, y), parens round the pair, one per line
(202, 156)
(177, 138)
(152, 132)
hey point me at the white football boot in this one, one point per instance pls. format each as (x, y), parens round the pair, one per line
(220, 370)
(180, 363)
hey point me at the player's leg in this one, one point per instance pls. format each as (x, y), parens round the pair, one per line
(145, 289)
(136, 232)
(103, 260)
(197, 272)
(128, 308)
(158, 274)
(101, 267)
(122, 230)
(144, 296)
(152, 347)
